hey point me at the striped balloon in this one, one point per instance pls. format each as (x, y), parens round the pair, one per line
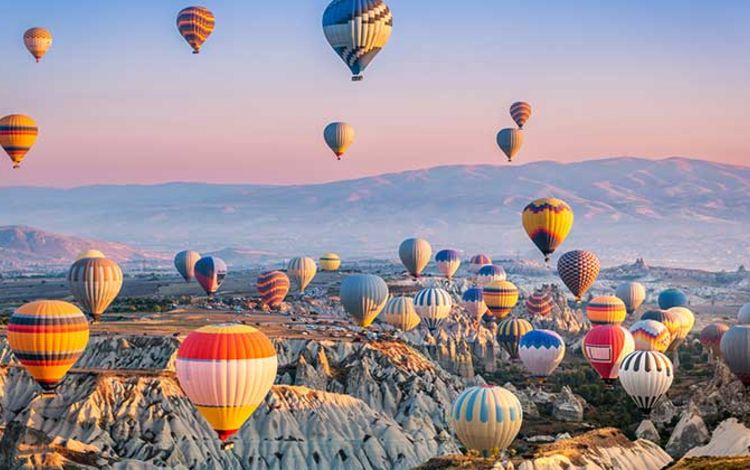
(90, 254)
(195, 25)
(210, 273)
(711, 338)
(520, 111)
(606, 310)
(357, 30)
(330, 262)
(185, 261)
(547, 222)
(37, 41)
(735, 348)
(633, 294)
(399, 312)
(415, 253)
(510, 142)
(477, 261)
(486, 418)
(500, 297)
(302, 270)
(646, 376)
(433, 305)
(541, 351)
(578, 269)
(17, 136)
(490, 273)
(473, 301)
(363, 297)
(47, 337)
(509, 333)
(672, 298)
(539, 304)
(605, 346)
(226, 371)
(95, 284)
(687, 322)
(273, 286)
(673, 322)
(338, 136)
(447, 262)
(650, 335)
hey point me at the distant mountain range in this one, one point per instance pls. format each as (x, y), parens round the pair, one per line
(674, 211)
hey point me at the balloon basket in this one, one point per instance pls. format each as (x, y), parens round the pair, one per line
(48, 394)
(227, 446)
(357, 78)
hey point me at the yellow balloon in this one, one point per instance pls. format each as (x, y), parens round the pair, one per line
(17, 135)
(95, 283)
(37, 41)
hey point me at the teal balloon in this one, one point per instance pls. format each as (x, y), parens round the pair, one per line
(363, 297)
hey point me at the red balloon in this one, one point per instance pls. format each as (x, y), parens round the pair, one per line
(605, 346)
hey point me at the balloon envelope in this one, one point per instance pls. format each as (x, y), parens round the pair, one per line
(363, 297)
(473, 301)
(605, 346)
(646, 376)
(433, 305)
(650, 335)
(606, 310)
(672, 298)
(520, 111)
(195, 25)
(673, 322)
(486, 418)
(91, 253)
(273, 286)
(633, 294)
(509, 334)
(17, 135)
(743, 316)
(578, 269)
(339, 136)
(399, 312)
(547, 222)
(302, 271)
(510, 142)
(95, 284)
(37, 41)
(448, 262)
(330, 262)
(711, 337)
(477, 261)
(735, 348)
(415, 253)
(539, 304)
(210, 273)
(541, 351)
(490, 273)
(500, 297)
(185, 261)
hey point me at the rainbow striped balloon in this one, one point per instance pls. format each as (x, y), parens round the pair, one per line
(606, 310)
(47, 337)
(520, 111)
(500, 297)
(195, 25)
(650, 335)
(509, 334)
(273, 286)
(539, 304)
(226, 370)
(486, 418)
(547, 222)
(95, 284)
(17, 135)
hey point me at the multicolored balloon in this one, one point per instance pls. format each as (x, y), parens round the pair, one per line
(510, 142)
(330, 262)
(195, 25)
(633, 294)
(363, 297)
(490, 273)
(520, 111)
(399, 312)
(711, 338)
(650, 335)
(509, 334)
(672, 298)
(415, 253)
(473, 301)
(734, 346)
(338, 136)
(673, 322)
(95, 284)
(47, 337)
(433, 305)
(37, 41)
(500, 297)
(185, 261)
(226, 371)
(606, 310)
(578, 269)
(477, 261)
(604, 347)
(539, 304)
(547, 222)
(273, 287)
(448, 262)
(17, 135)
(646, 376)
(210, 272)
(486, 418)
(302, 271)
(541, 351)
(357, 31)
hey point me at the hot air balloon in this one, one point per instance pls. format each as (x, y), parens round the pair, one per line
(195, 25)
(711, 338)
(539, 304)
(490, 273)
(338, 136)
(509, 333)
(605, 346)
(37, 41)
(510, 142)
(301, 271)
(541, 351)
(185, 261)
(673, 322)
(95, 283)
(17, 136)
(632, 294)
(743, 316)
(672, 298)
(273, 286)
(210, 272)
(91, 253)
(447, 262)
(226, 371)
(520, 111)
(646, 376)
(650, 335)
(578, 269)
(486, 418)
(735, 348)
(606, 310)
(687, 322)
(357, 31)
(473, 301)
(330, 262)
(363, 297)
(477, 261)
(47, 337)
(433, 305)
(415, 253)
(500, 297)
(399, 312)
(547, 222)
